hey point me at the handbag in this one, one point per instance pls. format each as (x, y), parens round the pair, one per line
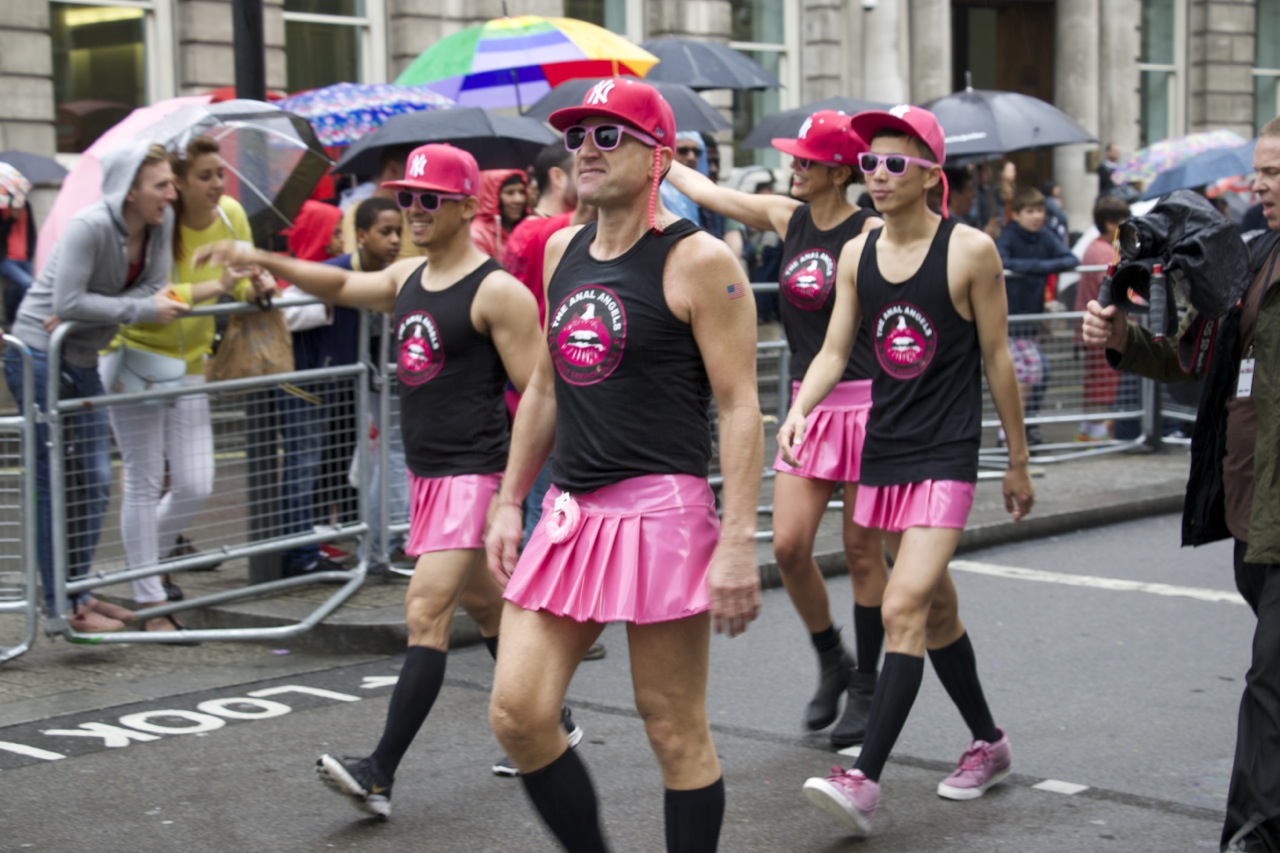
(139, 370)
(255, 344)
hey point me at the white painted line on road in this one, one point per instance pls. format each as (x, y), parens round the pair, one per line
(851, 751)
(1055, 786)
(1113, 584)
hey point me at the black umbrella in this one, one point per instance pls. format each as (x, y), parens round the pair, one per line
(786, 124)
(36, 169)
(496, 141)
(706, 65)
(691, 112)
(981, 121)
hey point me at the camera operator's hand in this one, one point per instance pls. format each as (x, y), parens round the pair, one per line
(1105, 327)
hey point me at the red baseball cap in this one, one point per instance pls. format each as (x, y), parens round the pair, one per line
(913, 121)
(826, 137)
(628, 100)
(439, 168)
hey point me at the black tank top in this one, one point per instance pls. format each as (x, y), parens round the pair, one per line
(632, 395)
(807, 283)
(926, 399)
(452, 413)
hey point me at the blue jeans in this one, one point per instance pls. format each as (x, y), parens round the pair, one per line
(303, 425)
(88, 467)
(19, 275)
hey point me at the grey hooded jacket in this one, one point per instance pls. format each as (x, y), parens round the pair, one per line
(84, 277)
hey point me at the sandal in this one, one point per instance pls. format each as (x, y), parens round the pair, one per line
(175, 626)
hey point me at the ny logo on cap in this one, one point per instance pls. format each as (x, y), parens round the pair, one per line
(900, 110)
(804, 128)
(599, 93)
(418, 166)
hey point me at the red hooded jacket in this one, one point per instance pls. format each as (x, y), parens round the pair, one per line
(487, 231)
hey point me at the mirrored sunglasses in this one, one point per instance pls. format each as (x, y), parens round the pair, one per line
(605, 137)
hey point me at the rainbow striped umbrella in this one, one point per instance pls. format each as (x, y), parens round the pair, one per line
(514, 61)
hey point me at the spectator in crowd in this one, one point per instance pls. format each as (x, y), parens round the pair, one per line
(1100, 381)
(1055, 218)
(712, 222)
(173, 444)
(110, 266)
(985, 211)
(17, 248)
(963, 194)
(503, 197)
(1032, 254)
(1233, 491)
(391, 169)
(674, 200)
(1107, 166)
(1006, 188)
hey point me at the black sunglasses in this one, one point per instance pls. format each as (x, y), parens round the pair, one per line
(428, 201)
(605, 137)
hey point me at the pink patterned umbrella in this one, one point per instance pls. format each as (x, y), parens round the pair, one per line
(1161, 156)
(344, 112)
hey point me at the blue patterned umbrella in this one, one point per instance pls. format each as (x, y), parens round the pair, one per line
(344, 112)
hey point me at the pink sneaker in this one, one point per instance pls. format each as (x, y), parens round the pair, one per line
(982, 765)
(848, 795)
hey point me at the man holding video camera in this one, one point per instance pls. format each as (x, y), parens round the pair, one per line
(1234, 487)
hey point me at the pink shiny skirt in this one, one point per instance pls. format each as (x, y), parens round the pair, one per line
(449, 513)
(931, 503)
(635, 551)
(833, 435)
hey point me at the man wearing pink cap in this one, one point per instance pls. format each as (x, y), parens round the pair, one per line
(461, 326)
(647, 318)
(932, 294)
(815, 221)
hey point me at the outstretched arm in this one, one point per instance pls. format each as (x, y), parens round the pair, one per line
(763, 212)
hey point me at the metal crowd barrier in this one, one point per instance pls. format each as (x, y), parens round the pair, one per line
(243, 515)
(19, 587)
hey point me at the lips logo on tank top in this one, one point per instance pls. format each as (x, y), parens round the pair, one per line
(587, 334)
(420, 355)
(808, 279)
(905, 340)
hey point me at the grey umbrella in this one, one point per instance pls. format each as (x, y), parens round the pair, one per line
(786, 124)
(704, 65)
(982, 121)
(496, 141)
(34, 167)
(691, 111)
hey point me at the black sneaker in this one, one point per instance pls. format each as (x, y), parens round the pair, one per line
(359, 779)
(324, 564)
(505, 767)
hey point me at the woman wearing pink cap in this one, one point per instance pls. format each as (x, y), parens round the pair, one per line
(815, 223)
(931, 291)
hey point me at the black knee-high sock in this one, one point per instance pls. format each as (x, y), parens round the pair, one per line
(415, 693)
(826, 639)
(868, 632)
(491, 643)
(565, 798)
(896, 691)
(957, 669)
(694, 818)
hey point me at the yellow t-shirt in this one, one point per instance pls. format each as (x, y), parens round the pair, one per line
(191, 338)
(352, 247)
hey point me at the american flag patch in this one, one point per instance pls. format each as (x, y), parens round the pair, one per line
(737, 290)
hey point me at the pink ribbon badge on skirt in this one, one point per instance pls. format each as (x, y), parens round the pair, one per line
(566, 518)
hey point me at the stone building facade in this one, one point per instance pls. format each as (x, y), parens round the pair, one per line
(1130, 71)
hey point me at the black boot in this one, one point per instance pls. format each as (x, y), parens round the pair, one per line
(835, 666)
(852, 727)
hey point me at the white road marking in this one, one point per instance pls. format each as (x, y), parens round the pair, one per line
(1113, 584)
(1055, 786)
(851, 751)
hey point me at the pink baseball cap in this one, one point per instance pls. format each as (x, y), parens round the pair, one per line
(914, 122)
(439, 168)
(628, 100)
(826, 137)
(904, 118)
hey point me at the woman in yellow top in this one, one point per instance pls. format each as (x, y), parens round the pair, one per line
(181, 434)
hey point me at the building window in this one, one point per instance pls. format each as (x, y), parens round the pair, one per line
(760, 29)
(100, 66)
(610, 14)
(1160, 84)
(334, 41)
(1266, 74)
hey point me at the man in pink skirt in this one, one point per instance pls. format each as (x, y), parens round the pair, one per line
(461, 326)
(647, 318)
(932, 292)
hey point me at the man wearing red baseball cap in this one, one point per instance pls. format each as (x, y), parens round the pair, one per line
(461, 326)
(815, 221)
(644, 324)
(932, 293)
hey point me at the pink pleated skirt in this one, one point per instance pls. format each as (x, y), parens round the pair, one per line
(931, 503)
(639, 554)
(833, 435)
(449, 513)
